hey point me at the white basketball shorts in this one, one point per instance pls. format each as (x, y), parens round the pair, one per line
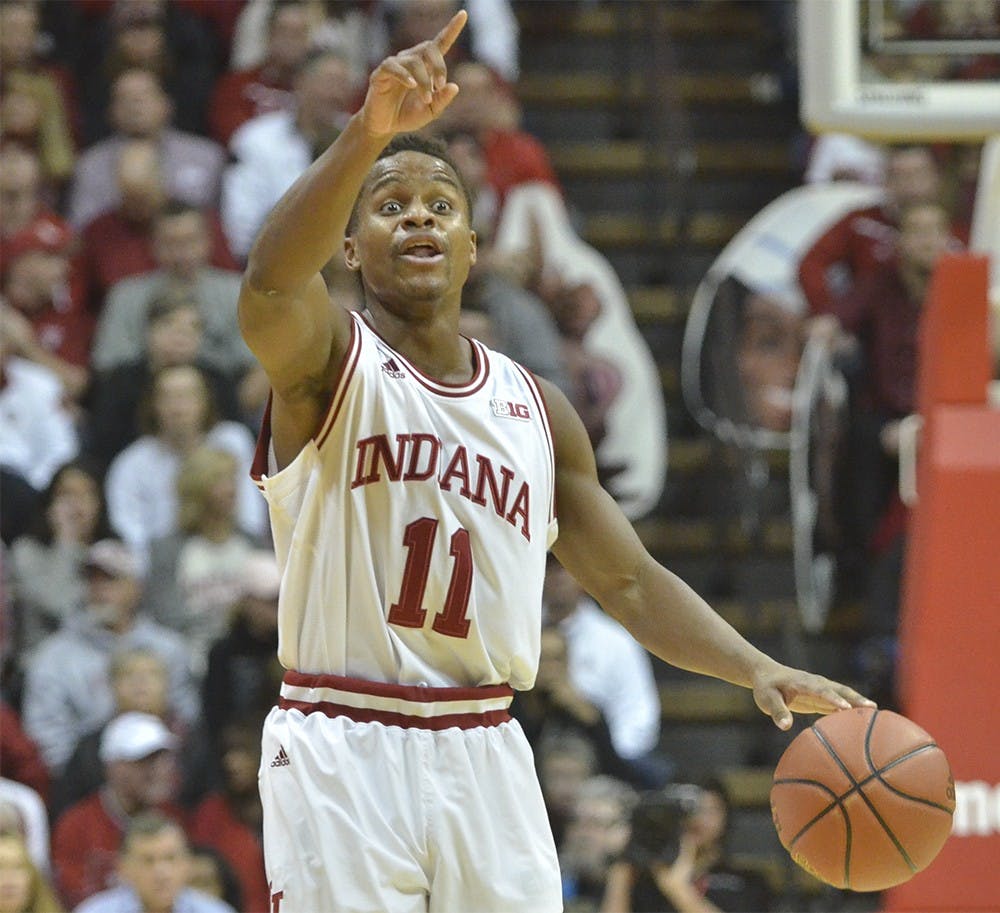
(386, 798)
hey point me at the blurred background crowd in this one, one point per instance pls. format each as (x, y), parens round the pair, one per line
(143, 142)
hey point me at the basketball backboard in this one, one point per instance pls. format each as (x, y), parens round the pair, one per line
(923, 70)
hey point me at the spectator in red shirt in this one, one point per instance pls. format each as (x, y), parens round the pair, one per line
(45, 314)
(119, 243)
(883, 313)
(20, 758)
(865, 239)
(244, 94)
(136, 749)
(23, 209)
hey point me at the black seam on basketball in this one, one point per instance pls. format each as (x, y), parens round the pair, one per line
(837, 799)
(838, 804)
(868, 743)
(877, 775)
(833, 754)
(835, 804)
(871, 806)
(818, 785)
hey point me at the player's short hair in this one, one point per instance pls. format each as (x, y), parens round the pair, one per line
(414, 142)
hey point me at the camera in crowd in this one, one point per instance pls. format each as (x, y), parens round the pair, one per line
(658, 822)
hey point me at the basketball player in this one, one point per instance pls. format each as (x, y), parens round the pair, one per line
(416, 481)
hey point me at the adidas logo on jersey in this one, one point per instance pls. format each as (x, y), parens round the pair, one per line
(390, 367)
(281, 759)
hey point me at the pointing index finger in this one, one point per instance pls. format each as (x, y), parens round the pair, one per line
(446, 37)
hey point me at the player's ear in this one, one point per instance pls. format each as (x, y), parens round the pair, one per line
(473, 247)
(351, 255)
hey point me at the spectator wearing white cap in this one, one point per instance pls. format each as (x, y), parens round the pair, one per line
(140, 683)
(243, 674)
(67, 689)
(154, 866)
(137, 750)
(844, 157)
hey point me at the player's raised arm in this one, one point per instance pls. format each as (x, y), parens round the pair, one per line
(285, 313)
(599, 547)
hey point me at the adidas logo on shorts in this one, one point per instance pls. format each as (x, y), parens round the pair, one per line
(281, 759)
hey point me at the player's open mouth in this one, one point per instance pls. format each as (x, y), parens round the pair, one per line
(424, 248)
(423, 254)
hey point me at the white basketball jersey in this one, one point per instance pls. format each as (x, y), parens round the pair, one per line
(412, 529)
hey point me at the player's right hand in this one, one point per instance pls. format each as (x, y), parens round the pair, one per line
(410, 89)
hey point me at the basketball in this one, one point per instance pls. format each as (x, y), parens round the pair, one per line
(863, 799)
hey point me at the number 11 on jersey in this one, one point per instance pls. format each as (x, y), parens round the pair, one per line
(408, 610)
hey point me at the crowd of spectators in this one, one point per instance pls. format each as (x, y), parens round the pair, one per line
(142, 143)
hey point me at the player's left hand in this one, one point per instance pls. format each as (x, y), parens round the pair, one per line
(781, 690)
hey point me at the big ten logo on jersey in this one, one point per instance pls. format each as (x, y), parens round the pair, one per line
(504, 408)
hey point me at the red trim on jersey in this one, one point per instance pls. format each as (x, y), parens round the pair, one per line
(543, 411)
(258, 468)
(344, 376)
(473, 385)
(417, 693)
(403, 720)
(259, 465)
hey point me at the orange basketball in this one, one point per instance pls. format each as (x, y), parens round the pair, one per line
(863, 799)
